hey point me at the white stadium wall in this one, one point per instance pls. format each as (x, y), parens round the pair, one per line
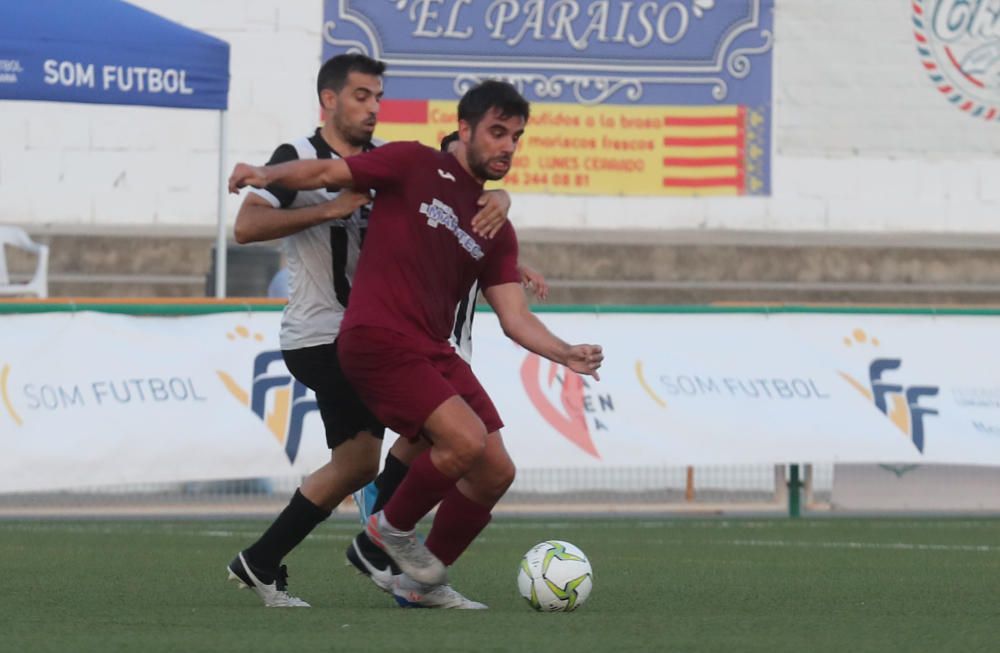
(864, 140)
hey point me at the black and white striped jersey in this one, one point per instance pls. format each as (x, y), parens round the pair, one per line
(461, 333)
(322, 260)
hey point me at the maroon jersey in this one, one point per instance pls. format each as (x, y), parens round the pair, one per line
(420, 255)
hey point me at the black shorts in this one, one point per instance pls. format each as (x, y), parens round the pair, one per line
(343, 413)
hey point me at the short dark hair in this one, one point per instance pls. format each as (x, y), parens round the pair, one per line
(491, 94)
(448, 140)
(333, 74)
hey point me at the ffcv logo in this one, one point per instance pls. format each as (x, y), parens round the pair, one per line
(900, 403)
(905, 399)
(289, 399)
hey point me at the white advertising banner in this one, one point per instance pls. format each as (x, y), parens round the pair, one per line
(742, 388)
(92, 399)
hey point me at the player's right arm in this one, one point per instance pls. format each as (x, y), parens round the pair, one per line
(294, 175)
(258, 220)
(380, 168)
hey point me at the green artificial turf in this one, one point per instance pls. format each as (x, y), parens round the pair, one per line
(660, 585)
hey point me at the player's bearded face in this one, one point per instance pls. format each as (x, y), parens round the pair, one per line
(492, 145)
(356, 111)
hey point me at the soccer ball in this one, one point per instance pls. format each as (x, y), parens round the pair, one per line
(555, 576)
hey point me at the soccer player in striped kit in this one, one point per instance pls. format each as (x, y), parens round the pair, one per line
(322, 232)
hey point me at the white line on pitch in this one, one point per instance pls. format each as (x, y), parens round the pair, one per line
(247, 534)
(893, 546)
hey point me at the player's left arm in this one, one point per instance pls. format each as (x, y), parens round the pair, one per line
(494, 207)
(500, 280)
(523, 327)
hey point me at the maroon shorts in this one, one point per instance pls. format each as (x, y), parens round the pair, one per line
(403, 380)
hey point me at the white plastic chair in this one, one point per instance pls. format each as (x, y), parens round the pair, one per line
(39, 284)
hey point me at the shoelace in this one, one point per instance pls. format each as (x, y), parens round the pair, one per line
(281, 579)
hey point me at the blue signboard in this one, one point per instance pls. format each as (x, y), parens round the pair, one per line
(710, 54)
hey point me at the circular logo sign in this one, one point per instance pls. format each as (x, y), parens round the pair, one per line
(959, 46)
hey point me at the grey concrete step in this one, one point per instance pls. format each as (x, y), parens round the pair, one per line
(728, 293)
(592, 267)
(151, 265)
(136, 255)
(799, 264)
(137, 288)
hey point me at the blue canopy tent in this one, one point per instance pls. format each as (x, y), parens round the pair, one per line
(111, 52)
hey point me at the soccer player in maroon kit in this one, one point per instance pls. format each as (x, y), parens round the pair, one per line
(420, 259)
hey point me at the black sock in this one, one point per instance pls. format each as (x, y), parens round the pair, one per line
(390, 478)
(297, 520)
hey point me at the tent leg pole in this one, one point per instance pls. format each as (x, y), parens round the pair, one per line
(794, 493)
(221, 240)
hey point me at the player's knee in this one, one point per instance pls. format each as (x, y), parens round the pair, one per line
(465, 451)
(503, 477)
(492, 483)
(470, 451)
(354, 472)
(511, 475)
(362, 476)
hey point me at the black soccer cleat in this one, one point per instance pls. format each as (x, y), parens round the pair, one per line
(372, 561)
(270, 585)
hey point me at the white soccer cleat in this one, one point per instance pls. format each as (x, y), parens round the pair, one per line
(409, 553)
(412, 594)
(274, 594)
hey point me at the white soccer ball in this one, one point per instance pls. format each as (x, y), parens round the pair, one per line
(555, 576)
